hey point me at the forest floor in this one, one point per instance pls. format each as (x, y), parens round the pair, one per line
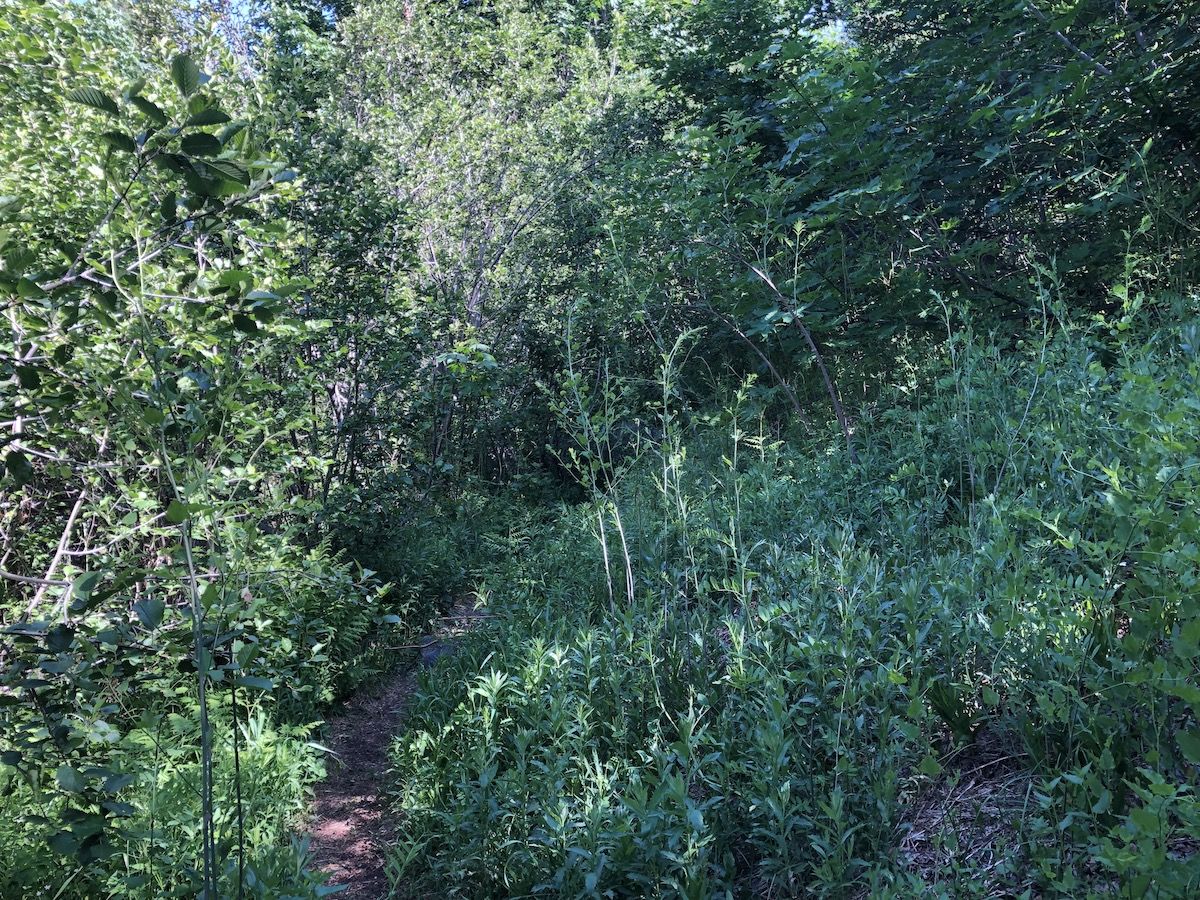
(349, 824)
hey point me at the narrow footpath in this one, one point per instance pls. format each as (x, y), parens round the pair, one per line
(350, 825)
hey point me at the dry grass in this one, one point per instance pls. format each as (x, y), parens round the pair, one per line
(965, 820)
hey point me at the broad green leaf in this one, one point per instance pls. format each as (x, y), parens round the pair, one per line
(18, 467)
(95, 98)
(177, 513)
(230, 170)
(244, 323)
(256, 682)
(150, 110)
(1189, 743)
(118, 140)
(200, 143)
(30, 289)
(210, 116)
(150, 611)
(59, 638)
(134, 88)
(174, 162)
(85, 584)
(186, 75)
(226, 134)
(69, 779)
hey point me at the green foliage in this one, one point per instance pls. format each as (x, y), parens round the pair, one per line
(166, 611)
(778, 697)
(808, 390)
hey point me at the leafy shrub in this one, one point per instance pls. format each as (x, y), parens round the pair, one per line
(803, 658)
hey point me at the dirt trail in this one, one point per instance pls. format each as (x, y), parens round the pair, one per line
(350, 826)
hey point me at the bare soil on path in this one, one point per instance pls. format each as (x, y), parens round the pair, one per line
(350, 826)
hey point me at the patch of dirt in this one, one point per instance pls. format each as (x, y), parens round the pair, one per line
(349, 826)
(965, 821)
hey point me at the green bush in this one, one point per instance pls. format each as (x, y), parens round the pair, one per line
(805, 660)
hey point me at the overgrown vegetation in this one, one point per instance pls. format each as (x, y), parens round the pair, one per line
(809, 394)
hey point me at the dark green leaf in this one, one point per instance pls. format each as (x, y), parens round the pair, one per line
(150, 110)
(186, 75)
(30, 289)
(230, 170)
(59, 638)
(177, 513)
(173, 162)
(85, 584)
(150, 611)
(96, 99)
(210, 116)
(18, 467)
(1189, 743)
(200, 143)
(118, 782)
(118, 140)
(256, 682)
(230, 131)
(245, 324)
(69, 779)
(64, 842)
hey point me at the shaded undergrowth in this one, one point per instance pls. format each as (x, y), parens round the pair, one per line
(963, 666)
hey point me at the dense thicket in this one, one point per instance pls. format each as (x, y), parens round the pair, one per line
(809, 391)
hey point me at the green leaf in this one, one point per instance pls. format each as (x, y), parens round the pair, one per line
(230, 170)
(59, 638)
(173, 162)
(1189, 743)
(64, 843)
(118, 782)
(186, 75)
(210, 116)
(96, 99)
(150, 110)
(256, 682)
(28, 377)
(30, 289)
(177, 513)
(69, 779)
(245, 324)
(169, 208)
(150, 611)
(85, 584)
(930, 766)
(200, 143)
(18, 467)
(230, 131)
(118, 140)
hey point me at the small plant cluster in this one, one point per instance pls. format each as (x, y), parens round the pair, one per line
(806, 662)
